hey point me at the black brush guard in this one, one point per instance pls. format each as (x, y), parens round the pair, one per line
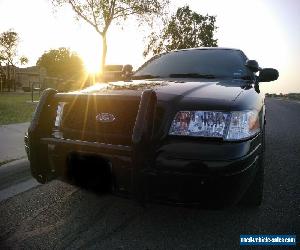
(142, 148)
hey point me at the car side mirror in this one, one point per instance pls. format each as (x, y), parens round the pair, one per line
(252, 65)
(268, 75)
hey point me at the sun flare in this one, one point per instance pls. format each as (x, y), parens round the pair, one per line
(92, 62)
(91, 56)
(119, 50)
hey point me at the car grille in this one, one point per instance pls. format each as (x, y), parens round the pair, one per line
(79, 119)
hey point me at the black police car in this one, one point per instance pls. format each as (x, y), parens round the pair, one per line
(187, 127)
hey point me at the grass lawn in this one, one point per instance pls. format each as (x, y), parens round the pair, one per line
(16, 107)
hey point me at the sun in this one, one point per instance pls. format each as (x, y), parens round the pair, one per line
(92, 62)
(91, 66)
(91, 56)
(120, 49)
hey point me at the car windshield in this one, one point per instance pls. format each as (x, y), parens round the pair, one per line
(196, 63)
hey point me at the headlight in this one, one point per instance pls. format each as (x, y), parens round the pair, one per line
(59, 114)
(243, 125)
(227, 125)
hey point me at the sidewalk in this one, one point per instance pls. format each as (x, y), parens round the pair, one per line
(12, 141)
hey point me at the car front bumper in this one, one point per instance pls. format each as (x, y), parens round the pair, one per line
(211, 173)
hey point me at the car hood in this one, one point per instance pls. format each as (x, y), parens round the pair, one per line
(191, 93)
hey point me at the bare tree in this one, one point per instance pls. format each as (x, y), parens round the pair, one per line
(100, 14)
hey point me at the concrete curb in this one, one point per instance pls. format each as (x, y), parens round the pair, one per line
(12, 142)
(13, 162)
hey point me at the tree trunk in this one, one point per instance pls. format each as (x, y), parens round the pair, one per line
(2, 74)
(8, 76)
(14, 79)
(104, 51)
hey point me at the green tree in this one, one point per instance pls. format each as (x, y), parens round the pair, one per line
(185, 29)
(100, 14)
(9, 42)
(62, 63)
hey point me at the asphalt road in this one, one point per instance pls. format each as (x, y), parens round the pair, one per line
(58, 215)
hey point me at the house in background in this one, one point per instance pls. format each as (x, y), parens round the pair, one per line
(30, 76)
(37, 77)
(13, 78)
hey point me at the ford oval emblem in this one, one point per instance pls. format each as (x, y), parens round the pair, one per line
(105, 117)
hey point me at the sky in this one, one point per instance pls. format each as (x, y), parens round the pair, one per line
(266, 30)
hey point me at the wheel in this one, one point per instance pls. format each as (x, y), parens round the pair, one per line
(254, 195)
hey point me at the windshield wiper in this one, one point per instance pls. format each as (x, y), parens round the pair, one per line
(192, 75)
(144, 77)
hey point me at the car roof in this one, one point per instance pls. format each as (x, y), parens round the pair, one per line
(207, 48)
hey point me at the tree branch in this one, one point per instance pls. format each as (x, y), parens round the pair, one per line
(110, 15)
(78, 12)
(91, 4)
(121, 10)
(125, 14)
